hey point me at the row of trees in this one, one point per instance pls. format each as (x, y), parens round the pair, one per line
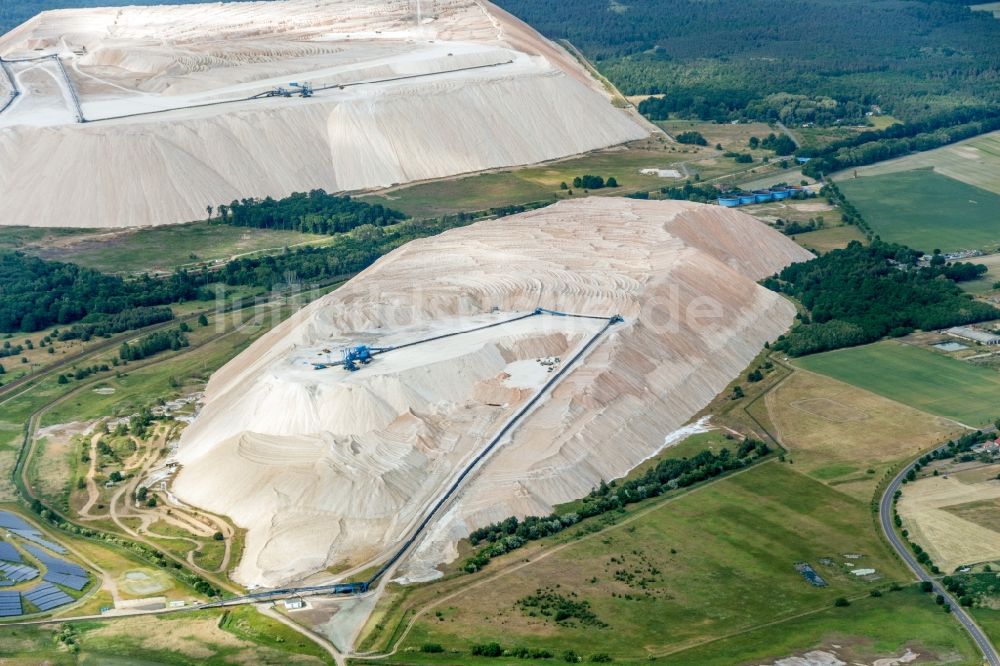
(106, 326)
(902, 139)
(154, 343)
(315, 212)
(589, 182)
(668, 474)
(863, 293)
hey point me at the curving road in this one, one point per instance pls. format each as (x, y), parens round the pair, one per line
(990, 655)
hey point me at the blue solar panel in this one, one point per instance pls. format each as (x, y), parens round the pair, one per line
(32, 535)
(74, 582)
(10, 604)
(12, 522)
(56, 564)
(47, 596)
(18, 572)
(9, 553)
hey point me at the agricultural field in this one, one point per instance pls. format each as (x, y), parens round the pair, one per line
(240, 635)
(986, 282)
(953, 517)
(848, 437)
(150, 249)
(714, 562)
(926, 210)
(830, 238)
(862, 633)
(975, 161)
(929, 382)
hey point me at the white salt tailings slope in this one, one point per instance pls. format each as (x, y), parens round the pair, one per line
(485, 91)
(324, 467)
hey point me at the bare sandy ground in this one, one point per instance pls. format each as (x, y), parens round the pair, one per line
(465, 88)
(325, 467)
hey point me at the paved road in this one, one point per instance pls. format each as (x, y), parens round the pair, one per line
(885, 518)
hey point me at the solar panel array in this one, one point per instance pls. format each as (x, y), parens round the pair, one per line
(57, 564)
(9, 553)
(47, 596)
(32, 535)
(18, 572)
(11, 521)
(75, 582)
(10, 604)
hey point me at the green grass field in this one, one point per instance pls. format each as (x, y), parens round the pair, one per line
(715, 562)
(149, 249)
(867, 629)
(926, 210)
(986, 282)
(930, 382)
(240, 635)
(975, 161)
(538, 183)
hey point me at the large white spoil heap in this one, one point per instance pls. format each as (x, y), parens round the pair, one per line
(398, 95)
(331, 467)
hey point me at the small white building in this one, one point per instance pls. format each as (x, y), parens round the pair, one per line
(294, 604)
(661, 173)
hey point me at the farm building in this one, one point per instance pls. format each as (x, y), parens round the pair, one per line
(974, 334)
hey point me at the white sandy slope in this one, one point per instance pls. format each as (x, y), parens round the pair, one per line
(326, 467)
(526, 101)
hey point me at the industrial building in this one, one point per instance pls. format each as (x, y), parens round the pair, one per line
(974, 334)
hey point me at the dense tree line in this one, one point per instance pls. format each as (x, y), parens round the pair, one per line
(692, 138)
(590, 182)
(315, 212)
(668, 474)
(127, 320)
(36, 294)
(154, 343)
(902, 139)
(781, 144)
(724, 105)
(910, 57)
(347, 253)
(863, 293)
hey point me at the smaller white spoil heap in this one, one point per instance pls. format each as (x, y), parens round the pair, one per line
(470, 88)
(327, 467)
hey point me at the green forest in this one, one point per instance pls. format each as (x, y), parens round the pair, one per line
(315, 212)
(36, 294)
(911, 57)
(863, 293)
